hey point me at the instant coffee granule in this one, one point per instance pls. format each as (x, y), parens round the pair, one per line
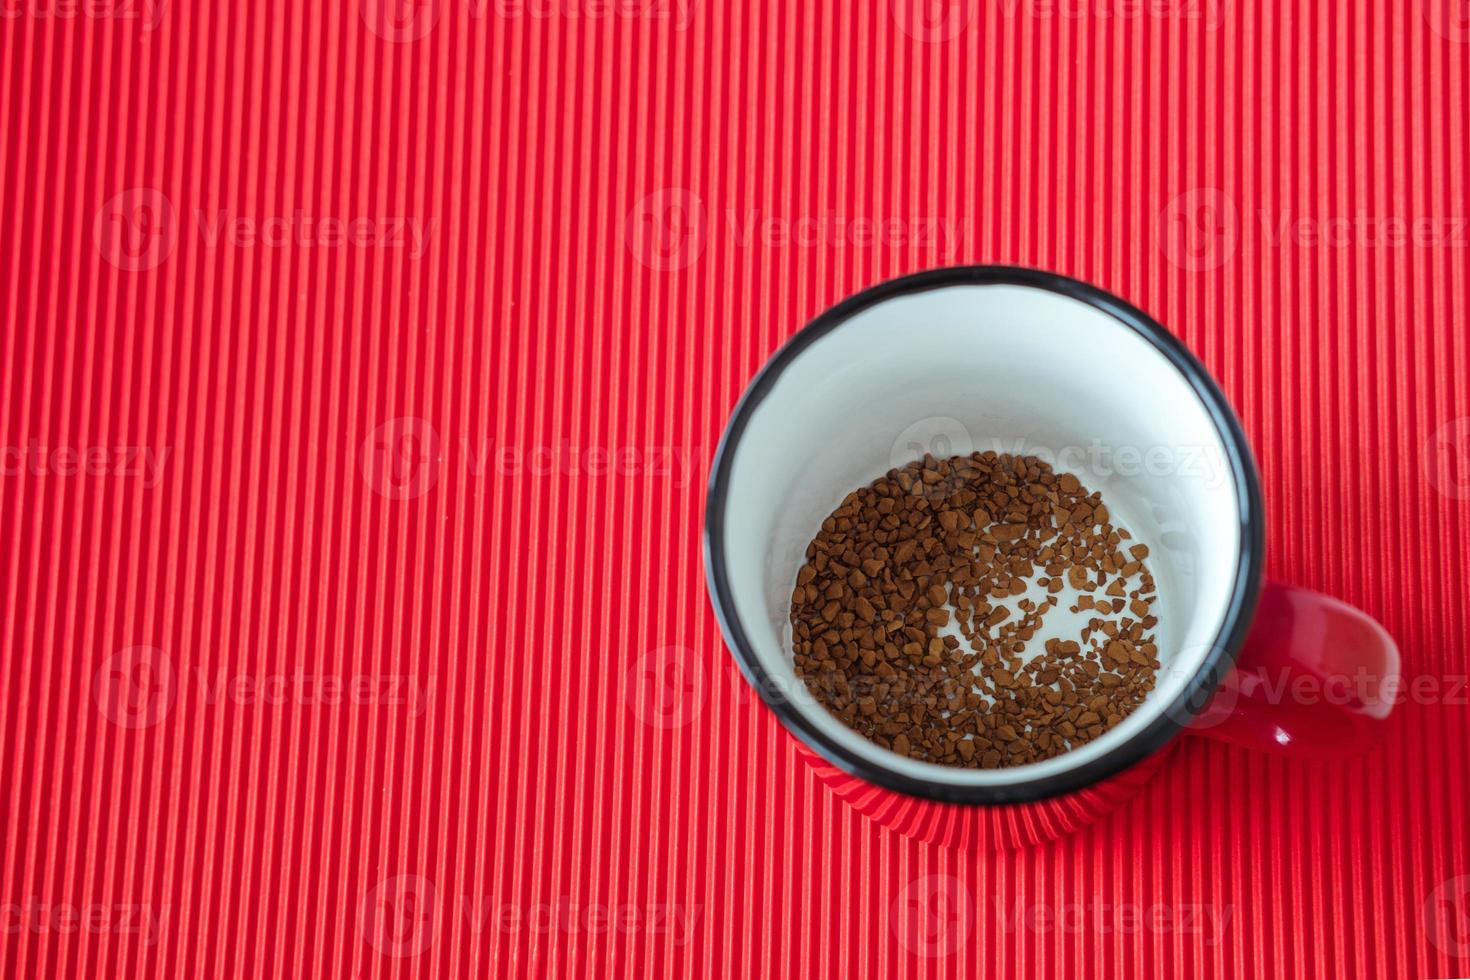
(959, 541)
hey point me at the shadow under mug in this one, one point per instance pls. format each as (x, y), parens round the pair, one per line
(1011, 360)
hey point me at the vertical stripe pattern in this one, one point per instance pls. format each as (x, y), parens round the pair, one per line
(361, 367)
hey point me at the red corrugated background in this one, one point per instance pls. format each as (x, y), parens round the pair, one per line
(469, 461)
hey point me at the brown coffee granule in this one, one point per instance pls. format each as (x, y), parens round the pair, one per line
(959, 540)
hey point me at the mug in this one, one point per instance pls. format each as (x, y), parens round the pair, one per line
(970, 359)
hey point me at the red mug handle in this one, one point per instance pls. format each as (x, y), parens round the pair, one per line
(1315, 677)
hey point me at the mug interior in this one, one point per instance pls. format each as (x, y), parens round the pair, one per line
(965, 367)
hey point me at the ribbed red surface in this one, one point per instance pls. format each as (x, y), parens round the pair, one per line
(609, 200)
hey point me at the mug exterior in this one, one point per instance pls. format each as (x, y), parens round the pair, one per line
(998, 826)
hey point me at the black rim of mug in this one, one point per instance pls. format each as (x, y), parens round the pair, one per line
(1219, 658)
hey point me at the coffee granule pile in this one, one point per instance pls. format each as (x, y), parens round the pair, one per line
(961, 541)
